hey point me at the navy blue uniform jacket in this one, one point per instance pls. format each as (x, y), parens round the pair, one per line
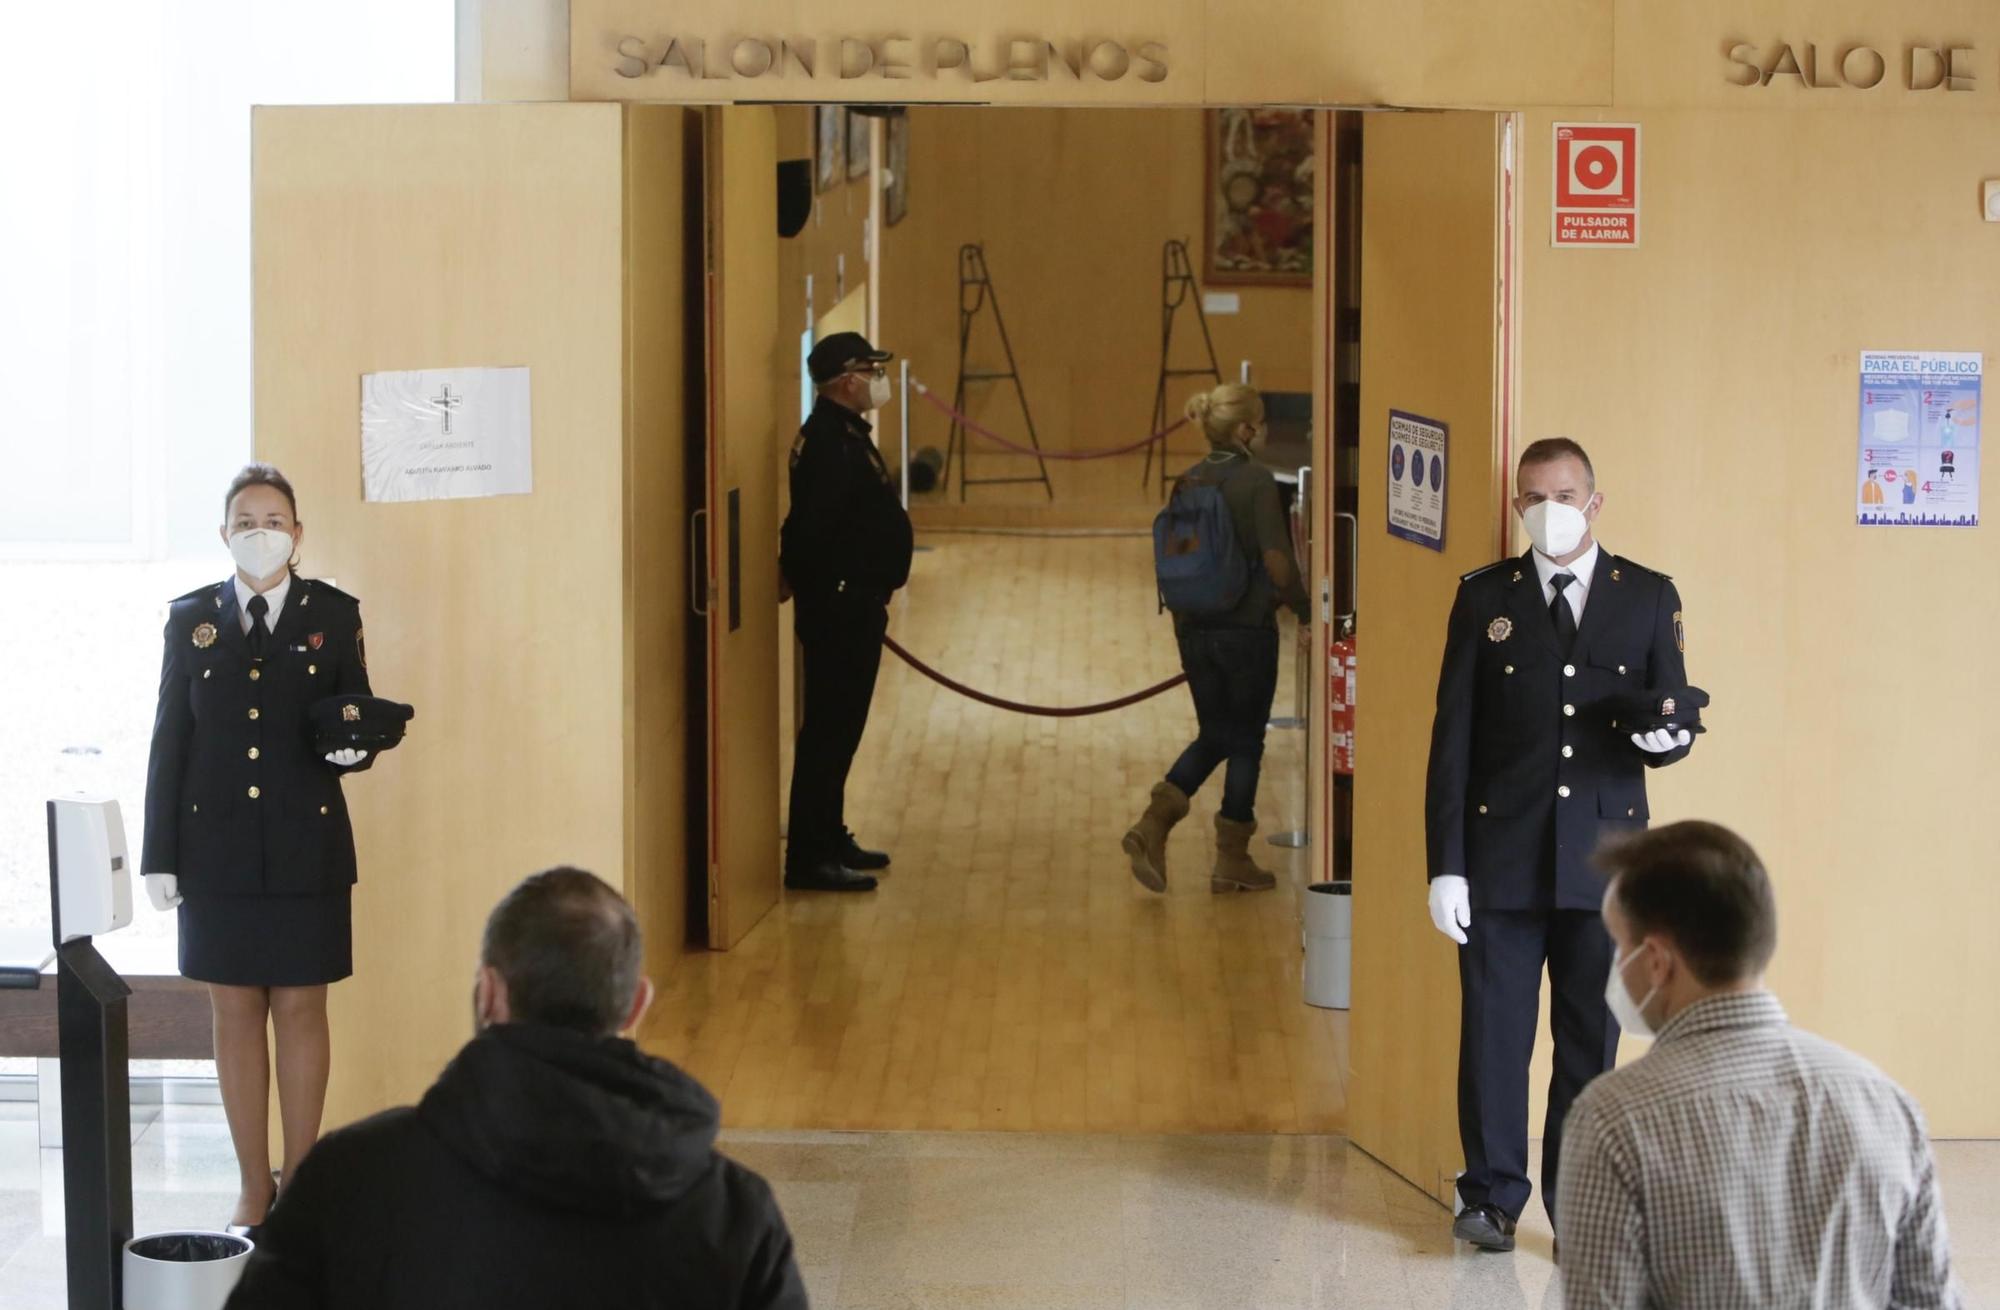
(1529, 769)
(847, 531)
(239, 801)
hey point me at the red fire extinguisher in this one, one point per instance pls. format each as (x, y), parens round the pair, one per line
(1340, 704)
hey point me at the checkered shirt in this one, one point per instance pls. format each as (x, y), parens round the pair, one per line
(1743, 1163)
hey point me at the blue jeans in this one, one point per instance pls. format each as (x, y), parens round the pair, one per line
(1233, 676)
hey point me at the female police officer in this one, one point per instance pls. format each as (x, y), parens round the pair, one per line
(246, 829)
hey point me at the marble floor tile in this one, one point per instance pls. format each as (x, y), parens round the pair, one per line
(982, 1221)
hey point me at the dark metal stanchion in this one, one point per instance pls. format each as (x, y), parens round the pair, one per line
(975, 293)
(1177, 287)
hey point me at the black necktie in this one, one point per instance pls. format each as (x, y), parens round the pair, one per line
(1559, 612)
(259, 632)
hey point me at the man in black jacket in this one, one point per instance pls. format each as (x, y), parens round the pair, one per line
(1530, 768)
(844, 550)
(551, 1164)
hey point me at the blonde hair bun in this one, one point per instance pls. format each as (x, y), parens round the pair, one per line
(1220, 412)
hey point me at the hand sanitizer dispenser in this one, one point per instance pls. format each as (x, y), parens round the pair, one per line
(92, 880)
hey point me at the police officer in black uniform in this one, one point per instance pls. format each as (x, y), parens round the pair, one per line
(844, 550)
(246, 828)
(1529, 770)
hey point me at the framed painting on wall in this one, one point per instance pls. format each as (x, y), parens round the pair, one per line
(1258, 205)
(896, 202)
(857, 145)
(830, 128)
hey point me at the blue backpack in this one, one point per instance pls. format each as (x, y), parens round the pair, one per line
(1199, 563)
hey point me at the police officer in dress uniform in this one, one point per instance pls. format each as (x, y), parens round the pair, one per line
(246, 828)
(844, 550)
(1529, 770)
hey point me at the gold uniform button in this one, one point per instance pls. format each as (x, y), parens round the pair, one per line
(254, 713)
(312, 668)
(254, 793)
(1568, 751)
(1621, 668)
(1629, 813)
(1482, 809)
(1569, 711)
(322, 809)
(1569, 670)
(1510, 668)
(256, 674)
(206, 672)
(253, 752)
(1563, 792)
(197, 809)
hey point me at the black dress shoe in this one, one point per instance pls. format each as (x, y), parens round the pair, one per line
(828, 876)
(853, 857)
(1486, 1227)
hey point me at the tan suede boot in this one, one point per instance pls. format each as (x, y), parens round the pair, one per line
(1235, 871)
(1146, 841)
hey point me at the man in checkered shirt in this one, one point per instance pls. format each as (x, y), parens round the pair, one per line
(1740, 1162)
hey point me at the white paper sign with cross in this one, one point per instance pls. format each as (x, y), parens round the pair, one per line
(446, 434)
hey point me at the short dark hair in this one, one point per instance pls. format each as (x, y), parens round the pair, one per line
(1703, 888)
(259, 475)
(1550, 449)
(568, 947)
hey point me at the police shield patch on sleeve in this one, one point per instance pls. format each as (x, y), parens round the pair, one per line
(1680, 634)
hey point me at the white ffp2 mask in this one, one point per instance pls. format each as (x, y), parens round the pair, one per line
(1556, 529)
(1630, 1014)
(879, 393)
(260, 552)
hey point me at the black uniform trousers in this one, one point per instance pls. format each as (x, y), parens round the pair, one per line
(1500, 981)
(841, 635)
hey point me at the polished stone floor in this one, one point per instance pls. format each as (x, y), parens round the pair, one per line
(902, 1221)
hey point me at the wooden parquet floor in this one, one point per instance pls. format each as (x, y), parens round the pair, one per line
(1009, 974)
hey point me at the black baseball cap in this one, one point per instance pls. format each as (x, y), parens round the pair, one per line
(1661, 707)
(840, 352)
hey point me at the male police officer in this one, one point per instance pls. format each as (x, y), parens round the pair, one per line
(844, 550)
(1529, 770)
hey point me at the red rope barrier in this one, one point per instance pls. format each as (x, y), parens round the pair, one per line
(971, 426)
(1043, 711)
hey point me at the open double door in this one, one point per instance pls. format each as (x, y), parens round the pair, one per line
(739, 433)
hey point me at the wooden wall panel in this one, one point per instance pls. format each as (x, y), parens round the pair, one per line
(1712, 373)
(1428, 339)
(393, 238)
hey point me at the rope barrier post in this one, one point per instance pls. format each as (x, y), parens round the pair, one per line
(903, 407)
(1301, 837)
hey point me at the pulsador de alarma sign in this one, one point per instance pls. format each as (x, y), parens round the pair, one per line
(1596, 185)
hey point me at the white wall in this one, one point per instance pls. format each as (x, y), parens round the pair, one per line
(125, 246)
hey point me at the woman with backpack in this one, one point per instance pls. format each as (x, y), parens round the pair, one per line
(1224, 588)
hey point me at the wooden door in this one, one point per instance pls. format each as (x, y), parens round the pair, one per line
(745, 431)
(1437, 249)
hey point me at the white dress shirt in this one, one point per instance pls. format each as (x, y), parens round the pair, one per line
(275, 598)
(1583, 566)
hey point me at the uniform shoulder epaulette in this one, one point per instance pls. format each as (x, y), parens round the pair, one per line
(1635, 564)
(329, 589)
(206, 592)
(1481, 570)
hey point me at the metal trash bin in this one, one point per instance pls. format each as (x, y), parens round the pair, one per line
(184, 1270)
(1329, 944)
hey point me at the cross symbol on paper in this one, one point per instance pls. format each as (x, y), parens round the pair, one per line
(447, 403)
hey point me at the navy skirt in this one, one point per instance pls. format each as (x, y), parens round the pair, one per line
(268, 941)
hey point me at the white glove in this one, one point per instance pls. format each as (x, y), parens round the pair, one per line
(163, 890)
(1661, 740)
(1451, 906)
(346, 759)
